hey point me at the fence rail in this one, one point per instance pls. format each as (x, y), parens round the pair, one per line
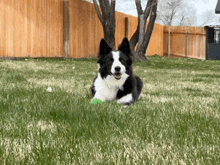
(38, 28)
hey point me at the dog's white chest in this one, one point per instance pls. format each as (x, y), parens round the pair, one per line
(107, 89)
(107, 94)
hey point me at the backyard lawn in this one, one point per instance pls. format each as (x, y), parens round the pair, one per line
(177, 120)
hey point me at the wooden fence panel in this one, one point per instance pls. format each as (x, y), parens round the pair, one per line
(156, 42)
(85, 30)
(8, 32)
(194, 47)
(120, 28)
(2, 29)
(31, 28)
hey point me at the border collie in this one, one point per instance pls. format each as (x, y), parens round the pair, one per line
(115, 80)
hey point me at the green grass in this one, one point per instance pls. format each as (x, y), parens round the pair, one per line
(177, 121)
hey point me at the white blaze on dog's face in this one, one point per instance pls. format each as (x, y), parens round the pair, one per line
(117, 69)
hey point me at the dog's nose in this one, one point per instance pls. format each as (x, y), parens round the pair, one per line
(117, 68)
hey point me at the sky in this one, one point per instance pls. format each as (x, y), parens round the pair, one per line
(128, 6)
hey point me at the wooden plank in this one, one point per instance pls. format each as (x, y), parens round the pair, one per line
(72, 27)
(156, 42)
(34, 20)
(10, 31)
(24, 21)
(15, 23)
(2, 29)
(75, 38)
(61, 40)
(29, 28)
(43, 28)
(49, 27)
(66, 27)
(53, 17)
(37, 31)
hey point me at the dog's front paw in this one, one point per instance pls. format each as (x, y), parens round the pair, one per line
(126, 104)
(126, 100)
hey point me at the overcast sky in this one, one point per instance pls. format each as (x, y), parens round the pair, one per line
(128, 6)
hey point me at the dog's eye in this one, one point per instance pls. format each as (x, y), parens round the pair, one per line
(121, 60)
(111, 59)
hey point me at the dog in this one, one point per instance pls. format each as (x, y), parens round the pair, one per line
(115, 79)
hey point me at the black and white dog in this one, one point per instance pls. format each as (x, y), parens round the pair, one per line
(115, 80)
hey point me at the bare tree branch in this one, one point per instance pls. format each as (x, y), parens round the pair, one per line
(105, 8)
(113, 9)
(139, 7)
(147, 10)
(208, 16)
(106, 2)
(150, 27)
(142, 24)
(176, 12)
(97, 10)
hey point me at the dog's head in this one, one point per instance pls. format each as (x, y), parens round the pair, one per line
(115, 63)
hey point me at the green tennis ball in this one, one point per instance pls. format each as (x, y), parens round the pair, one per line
(96, 101)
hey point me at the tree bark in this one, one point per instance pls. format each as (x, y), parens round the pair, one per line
(107, 18)
(140, 55)
(109, 34)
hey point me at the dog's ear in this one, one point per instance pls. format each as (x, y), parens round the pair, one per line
(125, 47)
(104, 48)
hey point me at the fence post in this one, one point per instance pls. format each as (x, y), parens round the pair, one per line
(169, 42)
(126, 26)
(186, 48)
(66, 27)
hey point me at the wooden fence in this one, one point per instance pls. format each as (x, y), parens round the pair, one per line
(36, 28)
(180, 41)
(31, 28)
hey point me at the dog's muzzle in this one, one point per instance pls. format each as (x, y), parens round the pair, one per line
(117, 75)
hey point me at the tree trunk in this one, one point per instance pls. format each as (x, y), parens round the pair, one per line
(107, 18)
(109, 33)
(140, 56)
(142, 35)
(140, 53)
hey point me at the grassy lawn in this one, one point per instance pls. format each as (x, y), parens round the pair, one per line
(177, 121)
